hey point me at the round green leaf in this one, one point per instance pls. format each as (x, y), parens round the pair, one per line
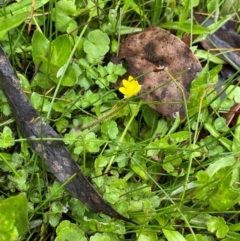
(97, 44)
(69, 231)
(7, 217)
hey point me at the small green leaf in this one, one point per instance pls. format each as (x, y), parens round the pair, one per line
(138, 165)
(6, 138)
(220, 124)
(62, 125)
(70, 77)
(100, 237)
(77, 207)
(224, 198)
(170, 164)
(18, 206)
(93, 7)
(166, 142)
(112, 195)
(236, 137)
(62, 15)
(109, 129)
(69, 231)
(199, 237)
(11, 21)
(218, 225)
(60, 50)
(150, 117)
(40, 47)
(214, 167)
(172, 235)
(7, 217)
(233, 92)
(55, 216)
(88, 141)
(97, 44)
(101, 161)
(89, 99)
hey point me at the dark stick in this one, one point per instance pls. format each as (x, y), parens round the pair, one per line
(55, 155)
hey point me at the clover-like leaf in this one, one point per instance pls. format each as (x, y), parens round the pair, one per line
(97, 44)
(218, 225)
(109, 129)
(69, 231)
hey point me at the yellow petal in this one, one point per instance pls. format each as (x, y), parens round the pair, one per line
(130, 78)
(123, 90)
(130, 87)
(125, 83)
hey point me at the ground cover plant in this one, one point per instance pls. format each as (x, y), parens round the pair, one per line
(176, 176)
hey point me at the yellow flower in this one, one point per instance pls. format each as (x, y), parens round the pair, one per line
(130, 87)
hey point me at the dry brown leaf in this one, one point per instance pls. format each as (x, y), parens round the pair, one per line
(225, 41)
(153, 54)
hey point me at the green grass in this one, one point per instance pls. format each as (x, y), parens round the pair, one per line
(178, 179)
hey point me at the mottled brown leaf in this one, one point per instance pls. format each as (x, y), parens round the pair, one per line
(225, 41)
(152, 54)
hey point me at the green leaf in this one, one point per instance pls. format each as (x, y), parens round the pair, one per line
(166, 142)
(220, 124)
(40, 47)
(205, 55)
(97, 44)
(55, 216)
(225, 142)
(218, 225)
(69, 231)
(70, 77)
(147, 236)
(100, 237)
(90, 98)
(77, 207)
(89, 142)
(233, 92)
(62, 125)
(6, 138)
(172, 235)
(7, 217)
(94, 7)
(21, 182)
(236, 137)
(10, 22)
(138, 165)
(18, 206)
(150, 116)
(15, 14)
(109, 129)
(101, 161)
(199, 237)
(228, 161)
(62, 15)
(111, 195)
(61, 49)
(23, 6)
(186, 27)
(170, 164)
(224, 198)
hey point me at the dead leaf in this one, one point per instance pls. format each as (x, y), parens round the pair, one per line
(155, 54)
(225, 41)
(56, 157)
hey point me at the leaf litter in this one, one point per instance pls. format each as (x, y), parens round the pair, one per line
(226, 43)
(165, 67)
